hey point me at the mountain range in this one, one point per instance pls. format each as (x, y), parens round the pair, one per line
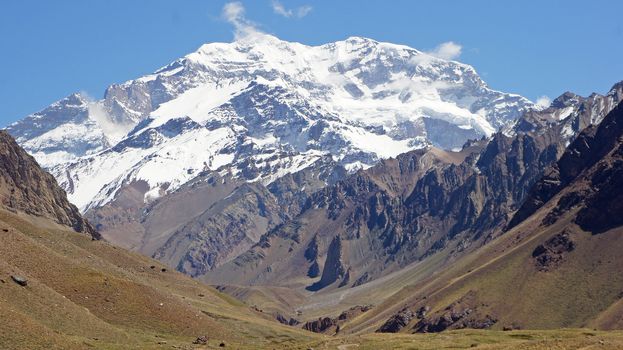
(280, 119)
(352, 187)
(405, 219)
(278, 105)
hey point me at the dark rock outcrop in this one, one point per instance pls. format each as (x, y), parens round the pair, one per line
(20, 280)
(353, 312)
(590, 147)
(346, 279)
(334, 269)
(458, 315)
(454, 320)
(311, 252)
(603, 207)
(397, 322)
(551, 253)
(25, 187)
(320, 325)
(202, 340)
(362, 279)
(327, 324)
(289, 322)
(422, 311)
(314, 270)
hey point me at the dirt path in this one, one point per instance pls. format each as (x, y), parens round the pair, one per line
(347, 346)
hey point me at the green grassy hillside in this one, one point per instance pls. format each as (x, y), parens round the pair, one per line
(83, 294)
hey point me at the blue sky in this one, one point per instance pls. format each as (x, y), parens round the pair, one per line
(50, 49)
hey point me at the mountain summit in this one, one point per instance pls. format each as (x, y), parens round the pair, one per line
(277, 105)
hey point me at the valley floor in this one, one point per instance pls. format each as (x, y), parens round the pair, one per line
(463, 339)
(483, 339)
(85, 294)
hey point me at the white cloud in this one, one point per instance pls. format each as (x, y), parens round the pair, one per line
(543, 101)
(303, 11)
(281, 10)
(234, 13)
(447, 51)
(421, 59)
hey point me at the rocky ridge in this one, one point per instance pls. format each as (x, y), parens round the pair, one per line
(25, 187)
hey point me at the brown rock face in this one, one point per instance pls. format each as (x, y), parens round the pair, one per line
(550, 253)
(328, 324)
(223, 231)
(604, 206)
(334, 269)
(460, 314)
(25, 187)
(320, 325)
(589, 175)
(397, 322)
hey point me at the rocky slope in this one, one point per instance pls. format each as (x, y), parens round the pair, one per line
(209, 220)
(25, 187)
(591, 147)
(557, 264)
(425, 201)
(84, 294)
(223, 231)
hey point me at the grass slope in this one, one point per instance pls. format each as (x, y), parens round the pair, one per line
(585, 289)
(84, 294)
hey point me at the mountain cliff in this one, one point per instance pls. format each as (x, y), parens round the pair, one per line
(25, 187)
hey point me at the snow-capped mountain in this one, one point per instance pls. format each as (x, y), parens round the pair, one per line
(259, 108)
(569, 114)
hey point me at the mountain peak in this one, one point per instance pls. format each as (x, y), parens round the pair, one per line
(566, 99)
(274, 103)
(360, 39)
(617, 89)
(248, 40)
(258, 38)
(76, 98)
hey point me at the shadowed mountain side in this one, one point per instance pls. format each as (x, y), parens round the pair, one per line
(591, 146)
(552, 265)
(25, 187)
